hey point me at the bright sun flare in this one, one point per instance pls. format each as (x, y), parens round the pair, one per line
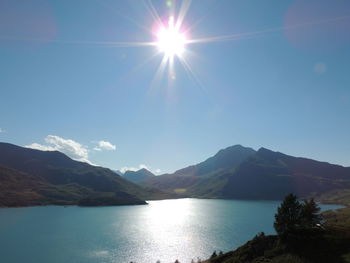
(170, 40)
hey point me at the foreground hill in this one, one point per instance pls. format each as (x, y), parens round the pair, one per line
(33, 177)
(331, 243)
(138, 176)
(330, 246)
(264, 174)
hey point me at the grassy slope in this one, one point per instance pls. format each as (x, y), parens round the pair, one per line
(187, 180)
(332, 245)
(328, 247)
(263, 175)
(23, 189)
(32, 177)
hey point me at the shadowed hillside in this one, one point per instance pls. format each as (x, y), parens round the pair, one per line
(184, 179)
(327, 244)
(33, 177)
(264, 174)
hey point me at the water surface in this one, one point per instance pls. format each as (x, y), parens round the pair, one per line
(165, 230)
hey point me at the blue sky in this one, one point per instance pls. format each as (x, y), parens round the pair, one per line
(282, 83)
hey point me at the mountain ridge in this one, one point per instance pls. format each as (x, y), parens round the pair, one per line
(138, 176)
(264, 174)
(183, 179)
(62, 180)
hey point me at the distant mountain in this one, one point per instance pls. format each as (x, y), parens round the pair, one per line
(138, 176)
(33, 177)
(118, 172)
(182, 180)
(241, 173)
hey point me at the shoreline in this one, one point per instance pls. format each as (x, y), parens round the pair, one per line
(344, 204)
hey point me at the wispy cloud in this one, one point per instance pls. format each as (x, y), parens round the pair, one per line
(67, 146)
(105, 145)
(41, 147)
(149, 168)
(1, 130)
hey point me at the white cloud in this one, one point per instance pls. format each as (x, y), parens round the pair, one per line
(124, 169)
(105, 145)
(67, 146)
(1, 130)
(40, 147)
(320, 68)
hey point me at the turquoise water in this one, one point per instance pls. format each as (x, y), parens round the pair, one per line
(165, 230)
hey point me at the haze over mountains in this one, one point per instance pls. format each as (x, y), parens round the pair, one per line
(138, 176)
(33, 177)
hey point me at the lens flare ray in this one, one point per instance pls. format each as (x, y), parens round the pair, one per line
(171, 38)
(269, 30)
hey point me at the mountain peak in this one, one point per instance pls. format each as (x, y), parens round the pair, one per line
(138, 176)
(225, 159)
(235, 148)
(143, 170)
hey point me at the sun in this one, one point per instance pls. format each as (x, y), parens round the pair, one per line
(170, 40)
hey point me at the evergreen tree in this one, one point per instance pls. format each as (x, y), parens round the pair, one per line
(310, 214)
(288, 217)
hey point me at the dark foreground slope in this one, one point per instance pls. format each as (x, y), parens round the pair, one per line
(327, 247)
(33, 177)
(329, 244)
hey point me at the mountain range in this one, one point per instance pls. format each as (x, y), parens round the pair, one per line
(239, 172)
(33, 177)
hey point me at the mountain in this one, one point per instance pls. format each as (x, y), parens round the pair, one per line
(241, 173)
(226, 159)
(33, 177)
(272, 175)
(138, 176)
(118, 172)
(184, 179)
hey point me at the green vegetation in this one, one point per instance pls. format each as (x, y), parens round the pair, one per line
(299, 238)
(293, 216)
(30, 177)
(241, 173)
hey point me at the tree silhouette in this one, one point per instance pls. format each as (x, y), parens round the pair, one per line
(288, 217)
(292, 215)
(310, 214)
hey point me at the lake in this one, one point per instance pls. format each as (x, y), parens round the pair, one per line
(164, 230)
